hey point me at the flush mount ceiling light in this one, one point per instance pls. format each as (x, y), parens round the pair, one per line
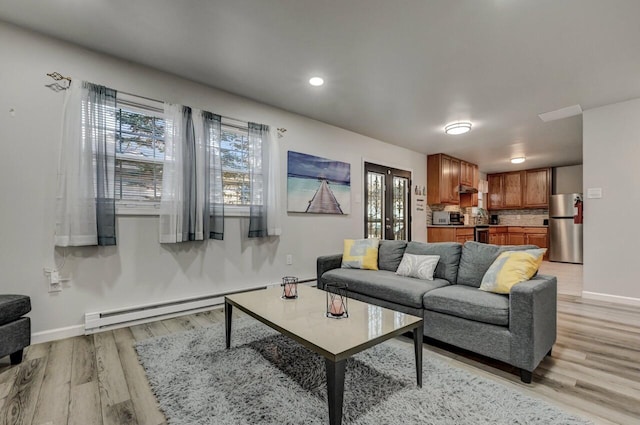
(316, 81)
(459, 127)
(518, 160)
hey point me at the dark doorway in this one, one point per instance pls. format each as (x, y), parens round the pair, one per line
(387, 202)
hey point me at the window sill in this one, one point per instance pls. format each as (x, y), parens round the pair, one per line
(153, 209)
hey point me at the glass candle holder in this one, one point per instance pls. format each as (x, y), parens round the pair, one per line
(337, 301)
(289, 287)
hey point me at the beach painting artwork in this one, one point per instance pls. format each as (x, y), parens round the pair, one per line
(317, 185)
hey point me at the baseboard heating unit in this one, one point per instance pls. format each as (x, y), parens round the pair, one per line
(113, 319)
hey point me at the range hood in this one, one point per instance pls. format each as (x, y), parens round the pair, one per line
(467, 189)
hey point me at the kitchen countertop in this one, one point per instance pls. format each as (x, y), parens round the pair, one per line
(460, 226)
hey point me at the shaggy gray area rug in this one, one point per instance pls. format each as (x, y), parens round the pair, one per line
(267, 378)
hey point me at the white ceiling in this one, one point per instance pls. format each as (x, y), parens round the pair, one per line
(397, 71)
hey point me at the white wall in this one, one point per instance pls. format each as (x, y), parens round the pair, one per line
(567, 179)
(611, 160)
(139, 270)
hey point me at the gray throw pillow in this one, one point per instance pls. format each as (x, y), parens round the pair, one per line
(478, 257)
(449, 253)
(390, 254)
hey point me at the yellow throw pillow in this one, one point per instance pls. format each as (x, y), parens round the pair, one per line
(510, 268)
(360, 254)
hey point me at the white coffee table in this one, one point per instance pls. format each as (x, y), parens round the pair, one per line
(304, 320)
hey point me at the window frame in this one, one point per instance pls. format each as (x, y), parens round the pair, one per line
(149, 107)
(144, 106)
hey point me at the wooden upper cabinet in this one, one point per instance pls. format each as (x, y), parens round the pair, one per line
(496, 199)
(454, 195)
(512, 190)
(466, 173)
(519, 189)
(470, 199)
(537, 185)
(443, 179)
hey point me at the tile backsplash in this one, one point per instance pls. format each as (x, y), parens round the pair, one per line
(506, 217)
(522, 217)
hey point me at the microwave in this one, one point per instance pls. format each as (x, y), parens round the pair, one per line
(444, 218)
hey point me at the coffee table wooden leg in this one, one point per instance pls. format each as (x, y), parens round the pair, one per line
(417, 345)
(335, 390)
(228, 309)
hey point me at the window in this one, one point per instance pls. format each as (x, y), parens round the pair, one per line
(140, 128)
(139, 155)
(234, 152)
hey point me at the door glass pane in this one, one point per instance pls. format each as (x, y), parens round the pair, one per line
(375, 205)
(399, 203)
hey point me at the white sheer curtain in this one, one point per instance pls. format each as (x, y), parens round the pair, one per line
(264, 178)
(75, 201)
(171, 211)
(191, 205)
(274, 188)
(85, 204)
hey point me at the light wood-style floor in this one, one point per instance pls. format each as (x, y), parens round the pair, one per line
(594, 370)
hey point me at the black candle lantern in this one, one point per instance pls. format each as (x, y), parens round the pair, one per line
(289, 287)
(337, 307)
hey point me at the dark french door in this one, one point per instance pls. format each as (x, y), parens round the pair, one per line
(387, 200)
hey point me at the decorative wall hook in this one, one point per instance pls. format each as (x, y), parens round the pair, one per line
(281, 131)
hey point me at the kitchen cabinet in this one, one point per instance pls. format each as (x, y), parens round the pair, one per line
(512, 190)
(466, 173)
(519, 189)
(450, 234)
(516, 239)
(498, 235)
(496, 192)
(537, 185)
(471, 199)
(441, 234)
(529, 236)
(465, 235)
(443, 180)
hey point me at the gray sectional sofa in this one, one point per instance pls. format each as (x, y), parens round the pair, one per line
(518, 329)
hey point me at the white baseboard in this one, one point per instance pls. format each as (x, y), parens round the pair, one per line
(611, 298)
(77, 330)
(54, 334)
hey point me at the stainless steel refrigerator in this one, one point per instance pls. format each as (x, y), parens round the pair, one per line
(565, 236)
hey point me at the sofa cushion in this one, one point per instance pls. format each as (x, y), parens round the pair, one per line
(360, 254)
(449, 253)
(476, 259)
(418, 266)
(511, 268)
(469, 303)
(384, 285)
(390, 254)
(13, 307)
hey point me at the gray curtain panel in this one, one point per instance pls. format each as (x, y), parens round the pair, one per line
(214, 200)
(188, 176)
(100, 126)
(258, 176)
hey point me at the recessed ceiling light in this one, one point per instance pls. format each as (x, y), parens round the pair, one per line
(518, 160)
(316, 81)
(459, 127)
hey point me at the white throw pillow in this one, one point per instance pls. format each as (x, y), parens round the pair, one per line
(418, 266)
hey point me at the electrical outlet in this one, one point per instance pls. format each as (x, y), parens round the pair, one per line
(289, 259)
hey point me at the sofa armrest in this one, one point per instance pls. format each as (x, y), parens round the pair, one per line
(532, 320)
(326, 263)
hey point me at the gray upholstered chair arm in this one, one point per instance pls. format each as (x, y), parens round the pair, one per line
(326, 263)
(532, 320)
